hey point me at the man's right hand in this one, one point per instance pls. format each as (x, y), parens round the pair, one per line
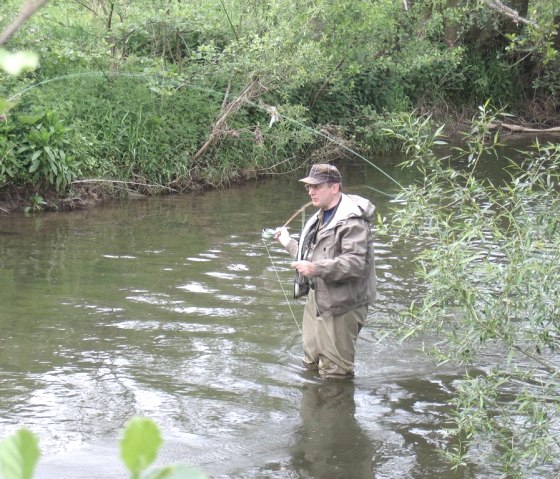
(282, 235)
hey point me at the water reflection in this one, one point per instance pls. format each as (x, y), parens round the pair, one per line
(330, 444)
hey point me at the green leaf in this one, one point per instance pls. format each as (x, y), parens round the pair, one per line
(19, 454)
(34, 166)
(16, 63)
(31, 119)
(51, 155)
(140, 444)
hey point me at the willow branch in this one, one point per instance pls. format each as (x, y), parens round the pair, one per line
(547, 365)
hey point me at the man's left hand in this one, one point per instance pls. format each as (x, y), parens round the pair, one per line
(307, 268)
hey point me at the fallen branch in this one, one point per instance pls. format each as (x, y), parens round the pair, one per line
(508, 12)
(251, 91)
(134, 183)
(524, 129)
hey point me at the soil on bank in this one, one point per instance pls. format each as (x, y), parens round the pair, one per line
(30, 199)
(86, 194)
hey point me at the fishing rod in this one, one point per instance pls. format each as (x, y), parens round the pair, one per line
(269, 232)
(296, 213)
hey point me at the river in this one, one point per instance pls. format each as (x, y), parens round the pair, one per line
(176, 309)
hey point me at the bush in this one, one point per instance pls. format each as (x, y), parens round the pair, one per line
(491, 284)
(38, 149)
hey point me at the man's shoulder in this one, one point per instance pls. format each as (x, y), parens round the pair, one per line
(356, 205)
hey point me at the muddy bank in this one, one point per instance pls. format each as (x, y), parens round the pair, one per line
(30, 199)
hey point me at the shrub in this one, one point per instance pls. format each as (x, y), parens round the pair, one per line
(38, 149)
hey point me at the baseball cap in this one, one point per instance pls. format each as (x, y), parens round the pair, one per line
(322, 173)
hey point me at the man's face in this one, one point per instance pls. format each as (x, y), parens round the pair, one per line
(325, 195)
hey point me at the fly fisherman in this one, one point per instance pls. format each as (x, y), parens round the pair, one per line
(335, 268)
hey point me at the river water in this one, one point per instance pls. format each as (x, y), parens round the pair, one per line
(176, 309)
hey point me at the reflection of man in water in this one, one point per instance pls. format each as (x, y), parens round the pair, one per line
(330, 443)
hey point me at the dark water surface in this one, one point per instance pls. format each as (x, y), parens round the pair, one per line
(171, 308)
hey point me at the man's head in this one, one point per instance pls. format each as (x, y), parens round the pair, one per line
(324, 184)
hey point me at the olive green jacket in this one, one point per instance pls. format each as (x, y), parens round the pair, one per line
(342, 254)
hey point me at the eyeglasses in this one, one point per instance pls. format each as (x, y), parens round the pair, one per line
(315, 187)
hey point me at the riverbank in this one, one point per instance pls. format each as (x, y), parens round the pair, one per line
(29, 199)
(83, 193)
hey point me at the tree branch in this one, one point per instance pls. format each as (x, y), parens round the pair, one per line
(508, 12)
(251, 91)
(28, 9)
(523, 129)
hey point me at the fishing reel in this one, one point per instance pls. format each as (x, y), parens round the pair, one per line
(268, 233)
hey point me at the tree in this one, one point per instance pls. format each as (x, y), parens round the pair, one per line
(492, 293)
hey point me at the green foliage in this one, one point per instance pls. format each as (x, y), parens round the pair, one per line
(148, 129)
(45, 150)
(37, 204)
(143, 83)
(133, 126)
(491, 285)
(9, 166)
(376, 132)
(139, 445)
(38, 149)
(19, 454)
(139, 448)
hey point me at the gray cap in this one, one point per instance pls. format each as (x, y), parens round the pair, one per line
(322, 173)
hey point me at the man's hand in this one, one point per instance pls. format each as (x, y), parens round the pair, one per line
(307, 268)
(282, 235)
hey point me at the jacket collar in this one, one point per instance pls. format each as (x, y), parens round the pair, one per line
(347, 208)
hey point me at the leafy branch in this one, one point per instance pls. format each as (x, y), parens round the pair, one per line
(139, 447)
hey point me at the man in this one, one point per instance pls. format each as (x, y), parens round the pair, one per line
(335, 256)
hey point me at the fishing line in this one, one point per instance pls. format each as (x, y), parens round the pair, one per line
(162, 80)
(334, 140)
(337, 142)
(266, 232)
(286, 296)
(282, 286)
(390, 195)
